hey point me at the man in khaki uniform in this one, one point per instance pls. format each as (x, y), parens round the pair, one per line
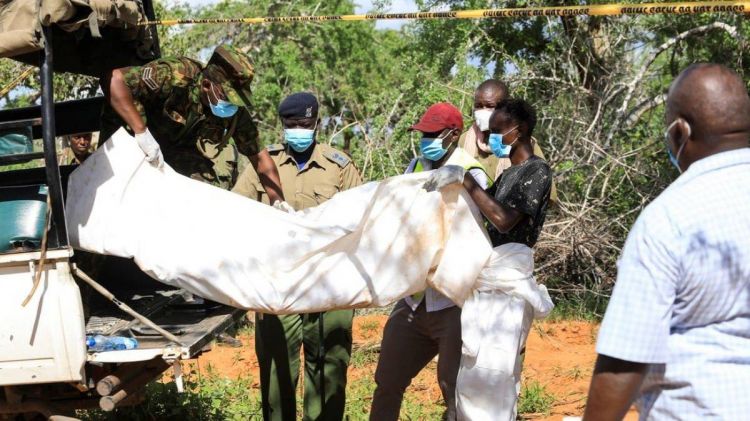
(310, 174)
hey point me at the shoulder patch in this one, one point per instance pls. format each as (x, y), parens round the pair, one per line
(276, 147)
(148, 78)
(338, 158)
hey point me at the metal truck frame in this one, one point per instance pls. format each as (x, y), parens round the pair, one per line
(45, 367)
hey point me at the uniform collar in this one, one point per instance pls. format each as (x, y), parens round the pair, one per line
(72, 159)
(315, 158)
(715, 162)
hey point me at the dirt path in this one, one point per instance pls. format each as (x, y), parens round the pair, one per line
(559, 356)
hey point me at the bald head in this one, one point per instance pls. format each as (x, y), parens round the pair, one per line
(713, 100)
(494, 86)
(489, 94)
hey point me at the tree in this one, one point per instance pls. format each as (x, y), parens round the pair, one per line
(598, 85)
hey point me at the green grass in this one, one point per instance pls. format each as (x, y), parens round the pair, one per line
(535, 399)
(359, 398)
(206, 398)
(212, 397)
(415, 409)
(576, 310)
(246, 328)
(369, 326)
(364, 357)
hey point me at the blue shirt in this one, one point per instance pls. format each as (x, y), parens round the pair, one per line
(682, 298)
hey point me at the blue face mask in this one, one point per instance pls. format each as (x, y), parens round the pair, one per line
(222, 109)
(675, 160)
(299, 139)
(500, 149)
(432, 148)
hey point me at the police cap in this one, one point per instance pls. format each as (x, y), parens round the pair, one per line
(299, 105)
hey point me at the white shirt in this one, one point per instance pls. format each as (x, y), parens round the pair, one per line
(436, 301)
(682, 297)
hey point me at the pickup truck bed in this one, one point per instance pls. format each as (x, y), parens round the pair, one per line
(194, 321)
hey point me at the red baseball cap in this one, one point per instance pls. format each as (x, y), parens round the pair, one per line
(439, 117)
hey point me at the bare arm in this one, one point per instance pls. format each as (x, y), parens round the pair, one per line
(121, 100)
(268, 174)
(504, 219)
(613, 388)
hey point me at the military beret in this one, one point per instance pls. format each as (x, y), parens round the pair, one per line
(299, 105)
(231, 68)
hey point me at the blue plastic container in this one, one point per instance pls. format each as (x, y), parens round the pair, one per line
(110, 343)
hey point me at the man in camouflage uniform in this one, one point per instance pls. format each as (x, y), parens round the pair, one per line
(311, 173)
(189, 112)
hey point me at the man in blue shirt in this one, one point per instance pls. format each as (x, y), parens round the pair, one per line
(676, 334)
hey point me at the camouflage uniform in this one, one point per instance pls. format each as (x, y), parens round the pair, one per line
(194, 142)
(278, 339)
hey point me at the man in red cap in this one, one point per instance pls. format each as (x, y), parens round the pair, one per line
(425, 324)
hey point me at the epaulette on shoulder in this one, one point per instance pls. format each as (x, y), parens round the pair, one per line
(276, 147)
(185, 67)
(338, 158)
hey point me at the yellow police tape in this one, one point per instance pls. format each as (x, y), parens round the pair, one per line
(9, 87)
(684, 8)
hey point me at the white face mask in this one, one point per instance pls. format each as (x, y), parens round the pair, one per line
(482, 118)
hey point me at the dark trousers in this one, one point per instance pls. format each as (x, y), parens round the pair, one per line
(278, 340)
(410, 340)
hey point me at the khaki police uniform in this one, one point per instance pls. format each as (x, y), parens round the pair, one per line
(327, 172)
(279, 338)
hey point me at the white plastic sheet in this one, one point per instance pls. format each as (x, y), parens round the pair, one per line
(495, 322)
(365, 247)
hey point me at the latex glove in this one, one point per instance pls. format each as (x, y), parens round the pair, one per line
(284, 207)
(151, 148)
(444, 176)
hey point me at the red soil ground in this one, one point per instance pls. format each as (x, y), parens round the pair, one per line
(560, 356)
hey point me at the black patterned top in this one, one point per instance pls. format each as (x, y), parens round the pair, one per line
(525, 188)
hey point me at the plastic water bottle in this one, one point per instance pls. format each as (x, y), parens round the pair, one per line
(110, 343)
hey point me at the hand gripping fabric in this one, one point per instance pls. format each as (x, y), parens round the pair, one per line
(445, 176)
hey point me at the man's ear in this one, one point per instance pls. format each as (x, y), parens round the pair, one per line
(682, 132)
(205, 85)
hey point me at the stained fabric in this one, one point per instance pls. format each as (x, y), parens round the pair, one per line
(367, 246)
